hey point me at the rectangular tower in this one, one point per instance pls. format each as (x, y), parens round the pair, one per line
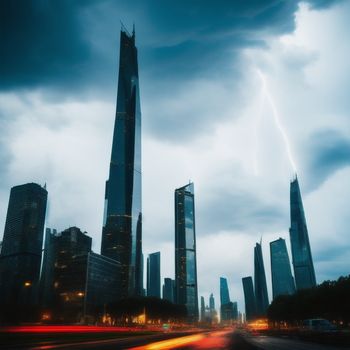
(20, 257)
(185, 251)
(261, 297)
(249, 298)
(169, 290)
(304, 272)
(122, 226)
(153, 275)
(224, 293)
(281, 274)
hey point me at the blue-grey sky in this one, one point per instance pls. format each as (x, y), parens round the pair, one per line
(232, 93)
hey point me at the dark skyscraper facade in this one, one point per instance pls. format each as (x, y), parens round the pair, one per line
(20, 257)
(211, 302)
(249, 298)
(226, 307)
(281, 274)
(153, 275)
(76, 282)
(224, 293)
(185, 251)
(122, 226)
(304, 272)
(202, 309)
(48, 268)
(261, 297)
(169, 290)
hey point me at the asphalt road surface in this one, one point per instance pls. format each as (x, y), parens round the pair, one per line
(223, 339)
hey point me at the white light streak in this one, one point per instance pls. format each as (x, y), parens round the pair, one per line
(267, 94)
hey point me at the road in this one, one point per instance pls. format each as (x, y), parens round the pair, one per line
(220, 339)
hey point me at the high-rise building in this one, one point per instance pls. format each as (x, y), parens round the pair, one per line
(20, 257)
(76, 282)
(101, 283)
(48, 268)
(169, 290)
(185, 251)
(281, 274)
(261, 297)
(235, 311)
(153, 275)
(304, 272)
(202, 309)
(249, 298)
(211, 302)
(212, 311)
(224, 293)
(122, 224)
(226, 307)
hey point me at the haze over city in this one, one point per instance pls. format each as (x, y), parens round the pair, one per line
(232, 95)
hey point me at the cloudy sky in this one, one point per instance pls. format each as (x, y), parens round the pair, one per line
(235, 96)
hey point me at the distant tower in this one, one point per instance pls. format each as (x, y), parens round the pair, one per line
(262, 300)
(122, 225)
(153, 275)
(249, 298)
(211, 302)
(185, 251)
(224, 293)
(282, 279)
(301, 252)
(20, 257)
(226, 307)
(169, 289)
(202, 309)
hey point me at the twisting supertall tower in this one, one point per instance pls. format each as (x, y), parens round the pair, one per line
(304, 272)
(122, 224)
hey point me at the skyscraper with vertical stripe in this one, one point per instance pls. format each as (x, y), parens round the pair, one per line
(304, 272)
(261, 297)
(185, 251)
(122, 224)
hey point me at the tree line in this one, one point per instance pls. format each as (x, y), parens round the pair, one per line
(329, 300)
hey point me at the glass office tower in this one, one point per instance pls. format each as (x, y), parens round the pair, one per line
(122, 226)
(224, 293)
(261, 297)
(202, 309)
(169, 290)
(282, 279)
(185, 251)
(304, 272)
(249, 298)
(20, 257)
(153, 275)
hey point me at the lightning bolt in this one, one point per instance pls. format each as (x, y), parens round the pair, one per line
(267, 95)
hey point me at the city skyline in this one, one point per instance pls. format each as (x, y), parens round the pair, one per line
(69, 111)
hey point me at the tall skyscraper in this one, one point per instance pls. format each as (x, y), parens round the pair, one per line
(169, 290)
(227, 306)
(185, 251)
(122, 226)
(282, 279)
(20, 257)
(249, 298)
(211, 302)
(304, 272)
(202, 309)
(153, 275)
(262, 300)
(224, 293)
(48, 268)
